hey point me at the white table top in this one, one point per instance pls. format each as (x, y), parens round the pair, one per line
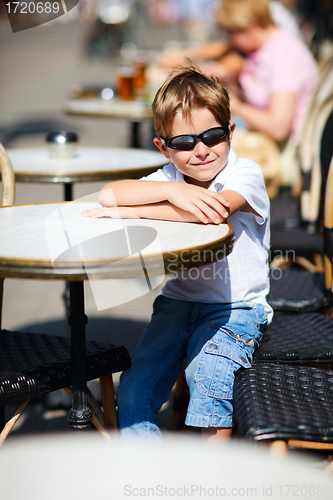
(114, 108)
(55, 241)
(90, 164)
(174, 467)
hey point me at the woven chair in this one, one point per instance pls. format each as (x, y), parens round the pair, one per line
(288, 402)
(33, 364)
(293, 404)
(305, 337)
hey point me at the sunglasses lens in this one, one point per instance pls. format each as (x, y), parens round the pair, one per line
(183, 143)
(213, 136)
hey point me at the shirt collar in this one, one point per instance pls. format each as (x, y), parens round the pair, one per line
(217, 184)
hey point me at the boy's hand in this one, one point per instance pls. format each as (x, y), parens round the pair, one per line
(207, 206)
(112, 212)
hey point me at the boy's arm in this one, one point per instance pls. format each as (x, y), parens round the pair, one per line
(167, 211)
(236, 202)
(159, 211)
(178, 198)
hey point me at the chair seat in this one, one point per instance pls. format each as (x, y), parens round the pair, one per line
(33, 364)
(297, 338)
(297, 290)
(296, 240)
(285, 209)
(284, 402)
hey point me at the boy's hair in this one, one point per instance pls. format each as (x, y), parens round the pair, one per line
(239, 15)
(186, 89)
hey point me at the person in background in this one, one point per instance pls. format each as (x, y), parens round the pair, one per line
(278, 78)
(220, 50)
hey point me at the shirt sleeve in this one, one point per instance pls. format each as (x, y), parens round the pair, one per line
(247, 179)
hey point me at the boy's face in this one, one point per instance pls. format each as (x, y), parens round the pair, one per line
(201, 164)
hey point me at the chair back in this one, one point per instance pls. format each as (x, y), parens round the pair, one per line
(308, 156)
(310, 159)
(328, 229)
(8, 178)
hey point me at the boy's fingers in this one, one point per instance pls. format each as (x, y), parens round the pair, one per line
(217, 207)
(210, 214)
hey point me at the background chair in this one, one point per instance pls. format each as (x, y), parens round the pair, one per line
(296, 289)
(33, 364)
(275, 402)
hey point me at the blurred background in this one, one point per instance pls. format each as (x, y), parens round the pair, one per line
(41, 68)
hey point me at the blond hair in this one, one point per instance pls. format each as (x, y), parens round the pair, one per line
(186, 89)
(239, 15)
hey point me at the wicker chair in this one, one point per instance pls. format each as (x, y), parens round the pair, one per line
(33, 364)
(285, 401)
(293, 404)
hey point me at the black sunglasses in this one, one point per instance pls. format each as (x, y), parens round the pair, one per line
(187, 142)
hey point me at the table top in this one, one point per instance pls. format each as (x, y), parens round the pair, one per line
(90, 164)
(54, 241)
(140, 468)
(115, 108)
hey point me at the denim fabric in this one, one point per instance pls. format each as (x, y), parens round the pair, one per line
(217, 340)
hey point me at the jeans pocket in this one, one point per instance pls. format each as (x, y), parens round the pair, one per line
(220, 358)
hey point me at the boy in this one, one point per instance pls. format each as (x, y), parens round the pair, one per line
(215, 320)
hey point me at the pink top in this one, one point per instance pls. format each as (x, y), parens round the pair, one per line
(283, 64)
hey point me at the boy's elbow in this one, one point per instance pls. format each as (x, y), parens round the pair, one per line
(106, 198)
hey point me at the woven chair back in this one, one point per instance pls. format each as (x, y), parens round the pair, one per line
(8, 178)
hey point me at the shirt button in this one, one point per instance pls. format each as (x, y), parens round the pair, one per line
(213, 346)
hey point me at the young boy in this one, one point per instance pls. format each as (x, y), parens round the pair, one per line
(215, 320)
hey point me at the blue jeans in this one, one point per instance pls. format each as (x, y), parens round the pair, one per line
(216, 339)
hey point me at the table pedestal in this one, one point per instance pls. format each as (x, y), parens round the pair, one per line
(80, 415)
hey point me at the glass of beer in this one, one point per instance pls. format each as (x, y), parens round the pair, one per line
(125, 83)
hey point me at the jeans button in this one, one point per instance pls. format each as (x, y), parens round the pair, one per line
(213, 346)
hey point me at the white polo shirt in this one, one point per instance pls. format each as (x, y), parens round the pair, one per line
(242, 275)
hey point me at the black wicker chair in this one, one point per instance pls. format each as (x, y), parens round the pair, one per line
(34, 364)
(305, 337)
(292, 404)
(284, 401)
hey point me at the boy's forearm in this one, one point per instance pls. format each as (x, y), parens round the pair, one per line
(131, 192)
(164, 211)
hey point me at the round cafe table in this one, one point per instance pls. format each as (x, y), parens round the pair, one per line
(89, 165)
(135, 111)
(53, 241)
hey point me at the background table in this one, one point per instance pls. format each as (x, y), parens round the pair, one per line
(135, 111)
(53, 241)
(90, 164)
